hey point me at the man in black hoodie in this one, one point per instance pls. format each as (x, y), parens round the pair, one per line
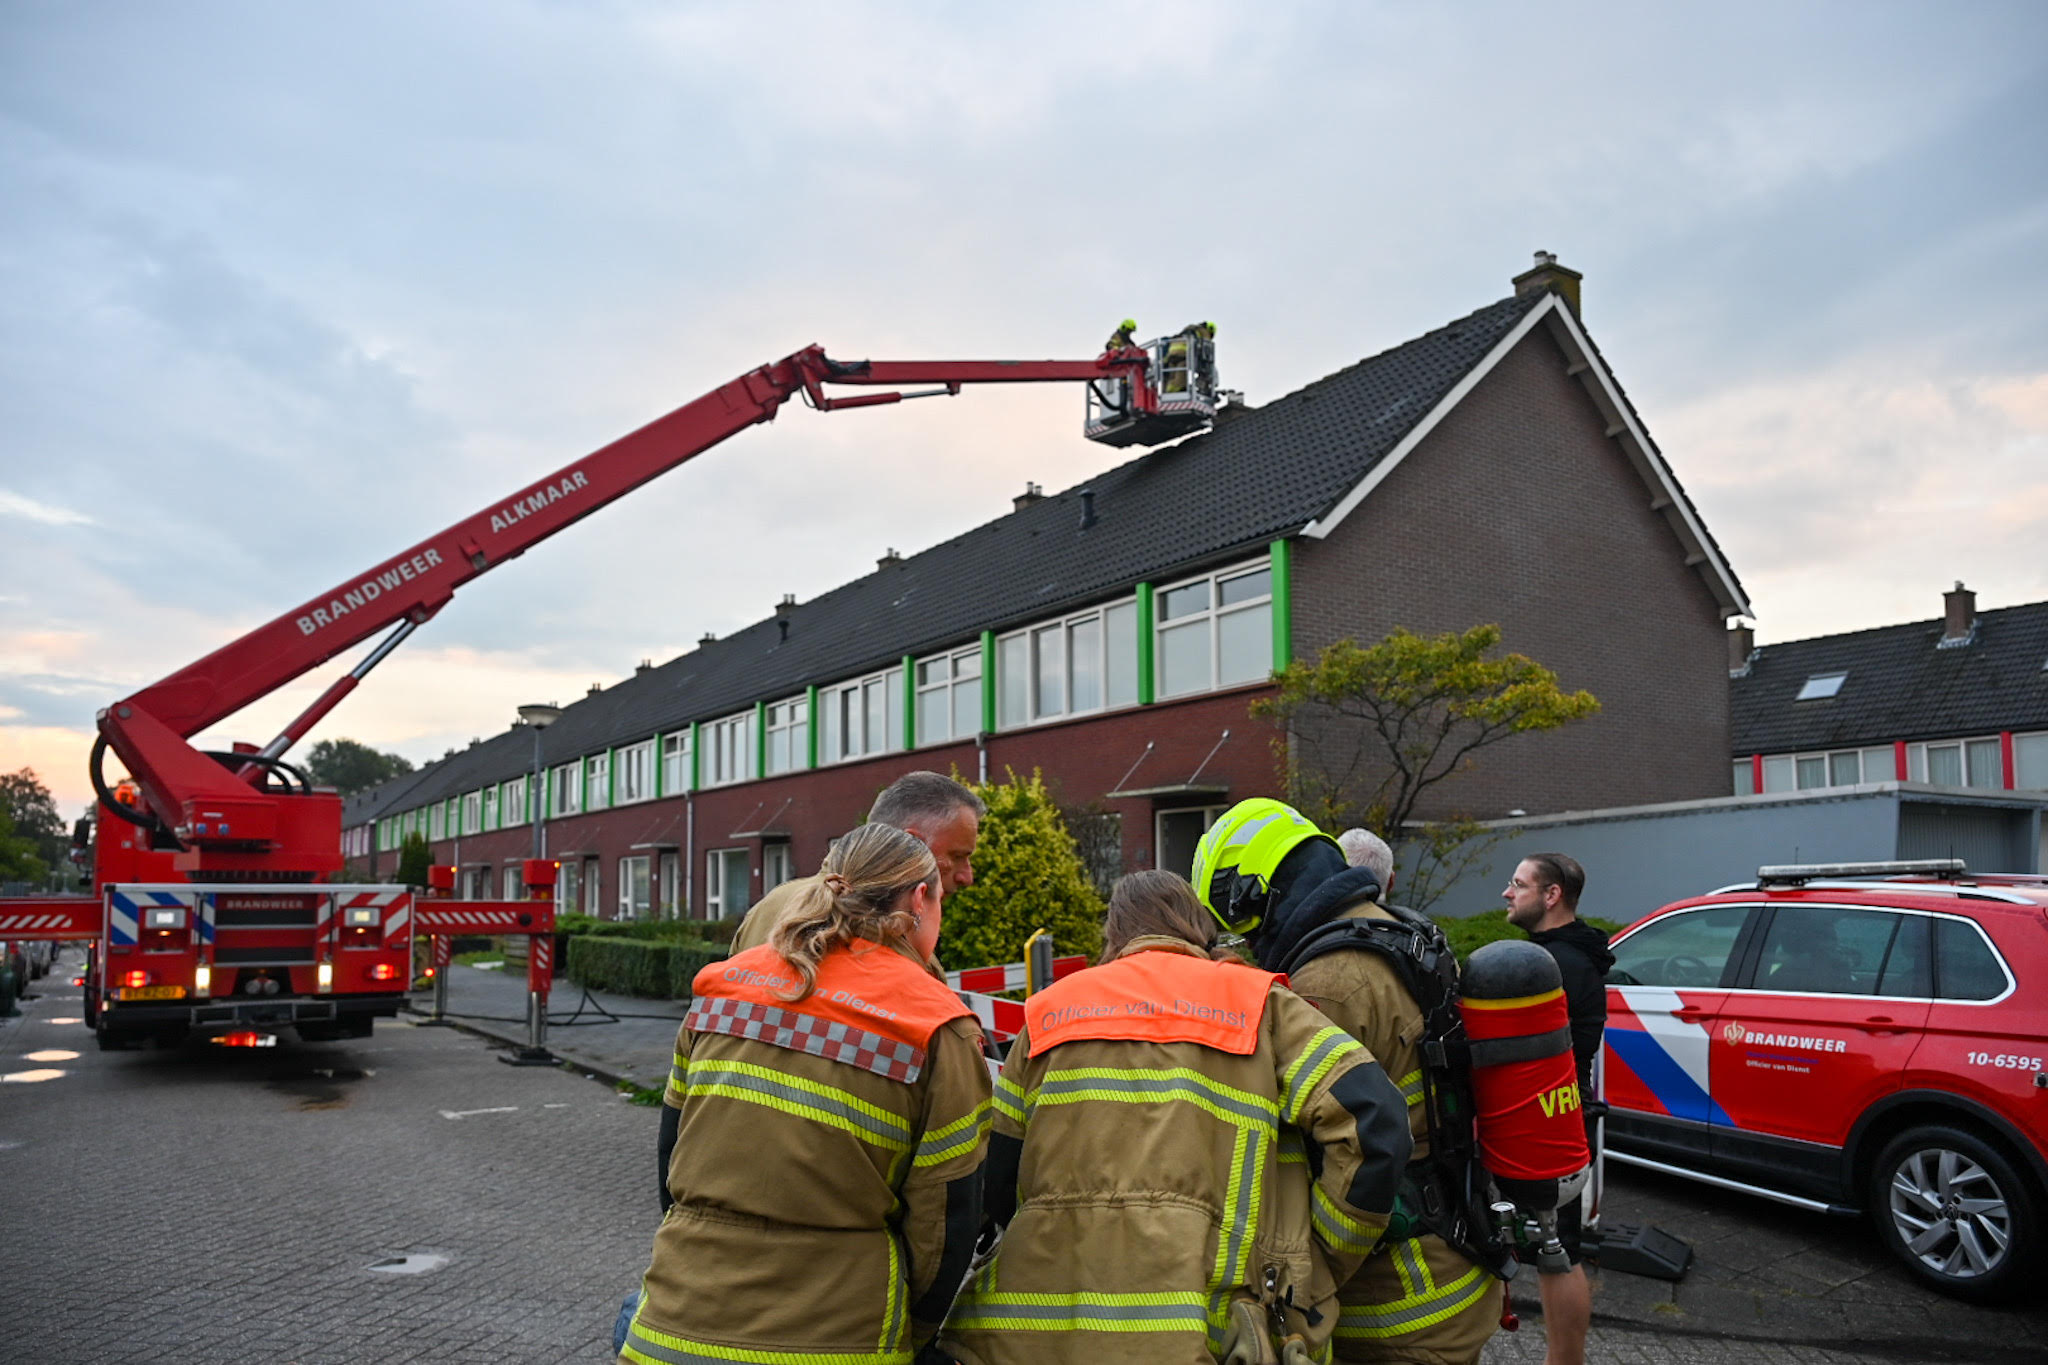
(1543, 900)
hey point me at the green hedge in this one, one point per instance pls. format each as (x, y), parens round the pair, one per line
(1476, 931)
(637, 966)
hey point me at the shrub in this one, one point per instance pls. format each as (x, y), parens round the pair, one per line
(1027, 875)
(1476, 931)
(649, 930)
(685, 961)
(629, 966)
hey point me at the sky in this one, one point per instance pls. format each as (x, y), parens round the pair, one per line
(286, 288)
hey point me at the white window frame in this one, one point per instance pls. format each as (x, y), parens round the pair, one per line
(947, 687)
(1917, 753)
(569, 886)
(512, 802)
(668, 885)
(635, 772)
(437, 821)
(1213, 614)
(836, 742)
(1040, 709)
(778, 865)
(473, 812)
(728, 750)
(675, 762)
(788, 727)
(636, 871)
(597, 781)
(491, 821)
(512, 886)
(565, 788)
(1774, 763)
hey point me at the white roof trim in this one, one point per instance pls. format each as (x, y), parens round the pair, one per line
(1643, 454)
(1329, 521)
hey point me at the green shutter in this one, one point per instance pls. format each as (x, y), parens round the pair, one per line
(760, 739)
(988, 682)
(1283, 604)
(659, 760)
(611, 778)
(696, 755)
(811, 727)
(1146, 691)
(909, 702)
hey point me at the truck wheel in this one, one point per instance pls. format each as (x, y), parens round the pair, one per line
(1957, 1212)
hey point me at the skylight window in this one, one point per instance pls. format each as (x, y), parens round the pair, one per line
(1822, 685)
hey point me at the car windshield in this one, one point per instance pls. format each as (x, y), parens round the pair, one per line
(1687, 948)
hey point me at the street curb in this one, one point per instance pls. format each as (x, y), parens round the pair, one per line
(566, 1063)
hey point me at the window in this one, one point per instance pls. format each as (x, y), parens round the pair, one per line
(472, 812)
(1177, 832)
(1689, 948)
(1907, 970)
(635, 890)
(675, 762)
(668, 884)
(593, 889)
(635, 767)
(1821, 685)
(1958, 763)
(2030, 761)
(566, 796)
(789, 729)
(725, 883)
(1825, 950)
(1813, 771)
(512, 802)
(1215, 631)
(567, 883)
(1840, 768)
(861, 717)
(729, 750)
(949, 696)
(1745, 777)
(437, 821)
(1778, 772)
(1064, 667)
(514, 888)
(1965, 968)
(597, 781)
(778, 865)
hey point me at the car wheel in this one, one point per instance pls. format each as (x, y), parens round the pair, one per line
(1956, 1211)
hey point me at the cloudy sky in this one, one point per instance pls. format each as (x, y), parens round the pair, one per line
(284, 288)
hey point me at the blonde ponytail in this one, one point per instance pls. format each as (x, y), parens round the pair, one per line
(863, 892)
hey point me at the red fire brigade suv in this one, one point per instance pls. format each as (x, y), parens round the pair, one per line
(1849, 1037)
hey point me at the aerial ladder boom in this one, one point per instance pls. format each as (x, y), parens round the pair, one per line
(249, 815)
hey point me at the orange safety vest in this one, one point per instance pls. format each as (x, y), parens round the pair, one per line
(872, 1007)
(1154, 996)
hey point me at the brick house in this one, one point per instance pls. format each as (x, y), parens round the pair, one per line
(1112, 635)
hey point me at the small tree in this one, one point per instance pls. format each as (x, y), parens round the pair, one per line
(18, 860)
(28, 805)
(1367, 732)
(350, 766)
(414, 858)
(1027, 876)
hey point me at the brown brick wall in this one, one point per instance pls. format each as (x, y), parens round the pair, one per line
(1518, 509)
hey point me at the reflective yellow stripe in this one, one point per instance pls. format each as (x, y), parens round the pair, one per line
(1415, 1310)
(1323, 1052)
(1293, 1148)
(1081, 1311)
(648, 1346)
(1411, 1088)
(1514, 1003)
(957, 1138)
(1145, 1086)
(1339, 1228)
(891, 1337)
(1009, 1100)
(805, 1098)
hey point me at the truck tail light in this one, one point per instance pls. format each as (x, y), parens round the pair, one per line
(202, 980)
(138, 977)
(381, 971)
(325, 976)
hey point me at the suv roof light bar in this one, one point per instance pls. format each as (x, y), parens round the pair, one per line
(1794, 873)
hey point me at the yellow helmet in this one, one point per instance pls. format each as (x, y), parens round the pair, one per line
(1129, 325)
(1236, 860)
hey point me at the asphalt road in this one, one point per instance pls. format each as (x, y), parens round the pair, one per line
(409, 1198)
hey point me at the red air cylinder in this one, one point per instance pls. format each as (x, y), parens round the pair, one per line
(1525, 1086)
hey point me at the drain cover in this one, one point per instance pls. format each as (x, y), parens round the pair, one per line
(414, 1263)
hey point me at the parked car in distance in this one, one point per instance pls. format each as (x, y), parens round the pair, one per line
(1849, 1038)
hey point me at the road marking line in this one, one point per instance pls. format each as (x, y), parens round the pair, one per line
(465, 1113)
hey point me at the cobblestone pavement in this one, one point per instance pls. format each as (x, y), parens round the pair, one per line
(215, 1205)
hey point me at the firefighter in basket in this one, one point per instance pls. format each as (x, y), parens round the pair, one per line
(826, 1181)
(1482, 1142)
(1142, 1124)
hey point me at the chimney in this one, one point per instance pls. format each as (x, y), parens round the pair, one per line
(1959, 608)
(1032, 493)
(644, 666)
(1087, 508)
(595, 688)
(1548, 276)
(1741, 645)
(889, 557)
(706, 638)
(786, 605)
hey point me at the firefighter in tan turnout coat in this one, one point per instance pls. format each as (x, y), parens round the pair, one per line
(833, 1106)
(1139, 1147)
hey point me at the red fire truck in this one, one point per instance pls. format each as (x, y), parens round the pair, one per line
(212, 909)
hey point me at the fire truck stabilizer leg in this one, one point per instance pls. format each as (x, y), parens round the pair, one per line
(540, 971)
(438, 954)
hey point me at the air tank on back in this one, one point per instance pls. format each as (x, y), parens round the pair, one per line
(1525, 1088)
